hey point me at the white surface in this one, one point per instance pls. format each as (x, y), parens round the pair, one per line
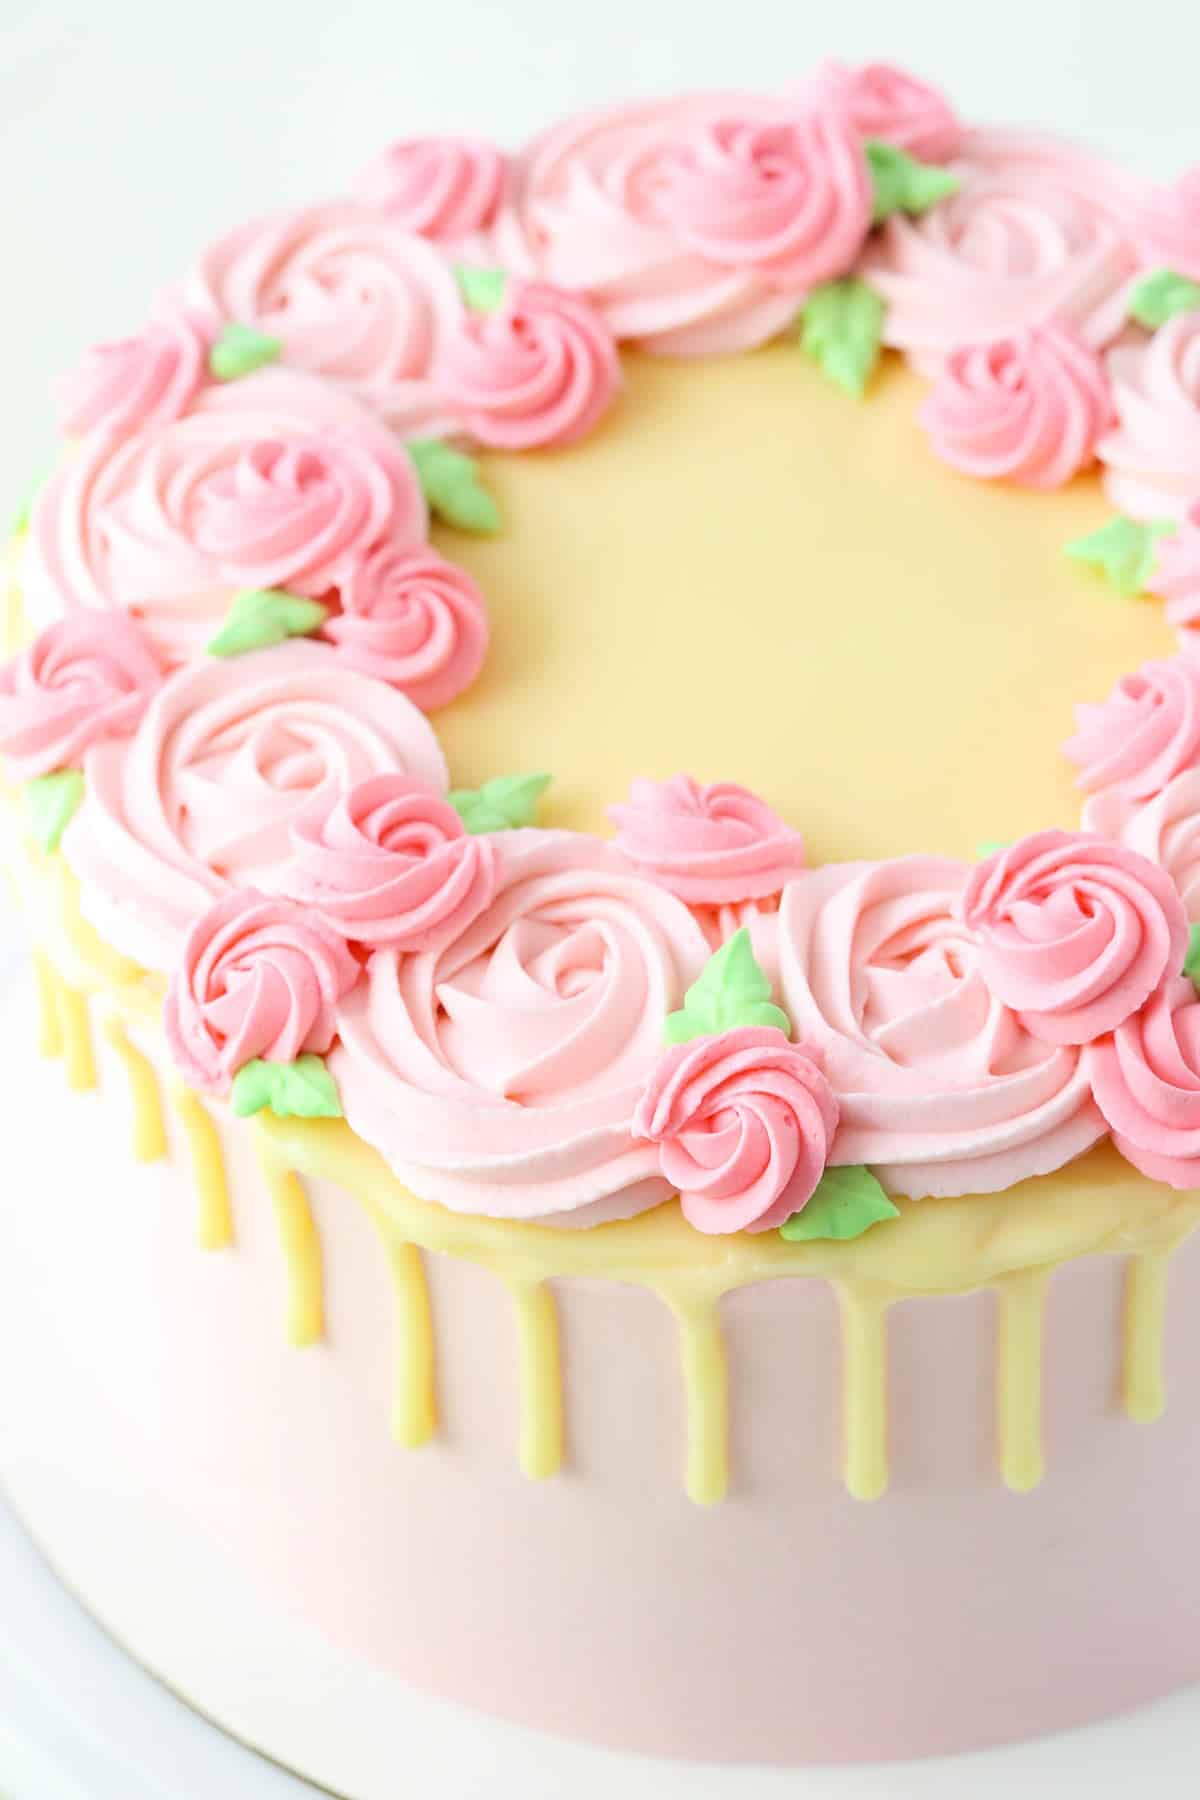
(131, 131)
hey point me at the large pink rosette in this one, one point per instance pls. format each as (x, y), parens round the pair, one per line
(413, 619)
(501, 1075)
(390, 862)
(540, 370)
(1074, 932)
(82, 679)
(884, 102)
(695, 224)
(1176, 577)
(712, 846)
(350, 296)
(123, 386)
(203, 797)
(941, 1089)
(1039, 231)
(1146, 1079)
(439, 187)
(259, 978)
(123, 525)
(1169, 227)
(1027, 409)
(1144, 734)
(1164, 828)
(744, 1122)
(1152, 457)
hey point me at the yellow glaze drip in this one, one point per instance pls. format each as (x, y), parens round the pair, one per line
(414, 1409)
(149, 1127)
(1022, 1304)
(1143, 1387)
(50, 1039)
(541, 1441)
(706, 1387)
(214, 1218)
(75, 1028)
(301, 1247)
(864, 1351)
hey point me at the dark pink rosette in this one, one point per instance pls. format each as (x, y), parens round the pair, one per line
(438, 187)
(413, 619)
(1146, 1080)
(86, 677)
(149, 379)
(1144, 734)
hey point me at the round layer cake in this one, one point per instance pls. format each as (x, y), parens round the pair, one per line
(603, 788)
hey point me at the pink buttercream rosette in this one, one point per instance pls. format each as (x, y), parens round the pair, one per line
(1164, 828)
(1075, 933)
(1176, 576)
(744, 1122)
(500, 1075)
(149, 379)
(941, 1089)
(440, 187)
(260, 978)
(1028, 409)
(413, 619)
(884, 102)
(390, 863)
(1144, 734)
(1152, 455)
(695, 224)
(1169, 227)
(83, 679)
(1146, 1079)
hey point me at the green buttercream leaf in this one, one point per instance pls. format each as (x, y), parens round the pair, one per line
(23, 511)
(1123, 550)
(239, 350)
(262, 616)
(50, 804)
(731, 990)
(503, 804)
(841, 327)
(902, 184)
(989, 847)
(450, 482)
(845, 1203)
(482, 289)
(303, 1089)
(1160, 295)
(1191, 962)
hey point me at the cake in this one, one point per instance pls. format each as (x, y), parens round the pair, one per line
(603, 789)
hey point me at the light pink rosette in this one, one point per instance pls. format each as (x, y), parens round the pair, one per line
(350, 295)
(941, 1089)
(713, 846)
(126, 385)
(84, 678)
(390, 862)
(1074, 932)
(1176, 577)
(1146, 1079)
(693, 223)
(413, 619)
(125, 525)
(541, 369)
(1039, 231)
(259, 978)
(1144, 734)
(501, 1074)
(1169, 227)
(438, 187)
(1164, 828)
(202, 798)
(744, 1122)
(1152, 457)
(1027, 409)
(884, 102)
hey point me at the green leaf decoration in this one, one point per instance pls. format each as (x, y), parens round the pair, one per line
(503, 804)
(902, 184)
(1191, 962)
(303, 1089)
(845, 1203)
(1123, 550)
(451, 484)
(239, 350)
(1160, 295)
(262, 616)
(51, 802)
(989, 847)
(841, 327)
(482, 289)
(732, 990)
(23, 511)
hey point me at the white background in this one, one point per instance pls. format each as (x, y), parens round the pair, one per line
(129, 133)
